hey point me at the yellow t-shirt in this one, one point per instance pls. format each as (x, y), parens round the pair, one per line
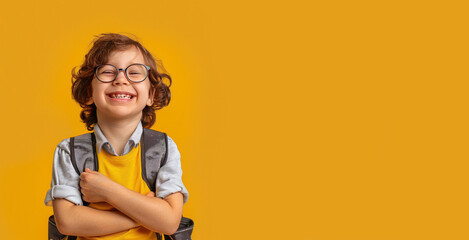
(127, 171)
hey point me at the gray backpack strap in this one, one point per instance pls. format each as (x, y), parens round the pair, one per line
(83, 152)
(154, 153)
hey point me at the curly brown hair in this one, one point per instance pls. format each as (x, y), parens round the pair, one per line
(103, 45)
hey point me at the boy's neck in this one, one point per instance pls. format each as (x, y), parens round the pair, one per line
(118, 132)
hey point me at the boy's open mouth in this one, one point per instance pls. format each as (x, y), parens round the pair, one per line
(121, 95)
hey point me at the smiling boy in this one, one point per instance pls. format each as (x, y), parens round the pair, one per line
(119, 88)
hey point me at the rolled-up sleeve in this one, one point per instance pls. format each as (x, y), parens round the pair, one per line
(169, 178)
(65, 180)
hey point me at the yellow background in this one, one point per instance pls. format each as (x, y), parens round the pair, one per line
(295, 119)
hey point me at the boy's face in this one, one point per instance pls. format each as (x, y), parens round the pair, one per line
(121, 99)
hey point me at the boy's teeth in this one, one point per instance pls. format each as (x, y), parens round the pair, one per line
(120, 96)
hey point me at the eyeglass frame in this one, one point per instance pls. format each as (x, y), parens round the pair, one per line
(119, 70)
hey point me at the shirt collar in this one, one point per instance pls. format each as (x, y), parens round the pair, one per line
(102, 142)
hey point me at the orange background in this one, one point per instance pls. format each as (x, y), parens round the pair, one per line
(295, 119)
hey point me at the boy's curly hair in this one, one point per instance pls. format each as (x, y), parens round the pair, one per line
(103, 45)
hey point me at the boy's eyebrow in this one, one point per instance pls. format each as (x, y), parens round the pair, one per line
(125, 66)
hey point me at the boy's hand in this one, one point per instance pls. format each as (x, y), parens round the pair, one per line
(95, 186)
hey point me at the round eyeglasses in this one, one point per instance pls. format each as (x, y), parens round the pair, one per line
(136, 72)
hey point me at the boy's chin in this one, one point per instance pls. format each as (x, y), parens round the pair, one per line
(117, 114)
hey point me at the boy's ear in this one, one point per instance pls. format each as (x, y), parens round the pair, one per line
(151, 97)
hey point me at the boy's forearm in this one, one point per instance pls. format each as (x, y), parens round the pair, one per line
(85, 221)
(156, 214)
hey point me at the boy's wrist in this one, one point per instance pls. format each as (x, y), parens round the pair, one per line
(113, 192)
(131, 222)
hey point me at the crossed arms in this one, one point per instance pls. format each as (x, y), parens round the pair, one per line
(133, 209)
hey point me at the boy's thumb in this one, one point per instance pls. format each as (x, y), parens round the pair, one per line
(87, 170)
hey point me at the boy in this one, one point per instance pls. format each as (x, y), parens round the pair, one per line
(119, 89)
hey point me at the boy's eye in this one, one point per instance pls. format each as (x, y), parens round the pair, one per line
(107, 72)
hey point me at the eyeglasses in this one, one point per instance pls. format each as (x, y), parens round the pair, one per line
(136, 72)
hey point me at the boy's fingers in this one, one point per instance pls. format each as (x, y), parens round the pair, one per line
(83, 174)
(150, 194)
(87, 170)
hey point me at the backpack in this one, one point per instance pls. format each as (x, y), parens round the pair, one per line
(154, 154)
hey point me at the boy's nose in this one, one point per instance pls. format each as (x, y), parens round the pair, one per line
(121, 79)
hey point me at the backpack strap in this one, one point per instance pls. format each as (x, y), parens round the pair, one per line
(83, 152)
(154, 155)
(154, 147)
